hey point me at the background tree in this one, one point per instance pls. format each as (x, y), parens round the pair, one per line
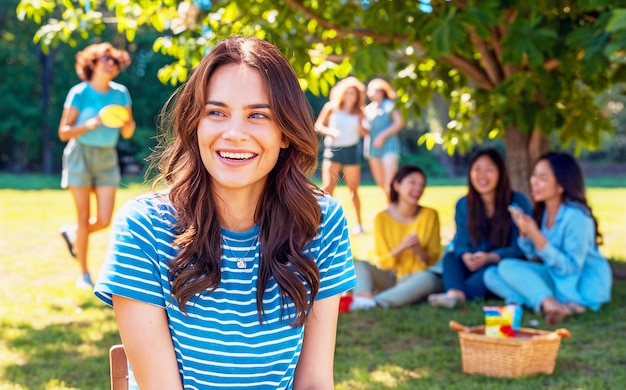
(520, 70)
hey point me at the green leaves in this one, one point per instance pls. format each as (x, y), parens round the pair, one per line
(528, 42)
(446, 33)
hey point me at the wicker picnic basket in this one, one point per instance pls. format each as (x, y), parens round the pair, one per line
(531, 352)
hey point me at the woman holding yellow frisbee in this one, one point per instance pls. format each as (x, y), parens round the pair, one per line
(95, 113)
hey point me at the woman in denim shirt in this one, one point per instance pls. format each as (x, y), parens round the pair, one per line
(484, 230)
(570, 275)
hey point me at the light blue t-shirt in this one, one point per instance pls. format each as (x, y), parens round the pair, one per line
(88, 102)
(220, 343)
(579, 271)
(380, 118)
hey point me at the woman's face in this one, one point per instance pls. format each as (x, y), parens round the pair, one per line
(543, 184)
(106, 66)
(484, 176)
(410, 188)
(238, 137)
(350, 98)
(375, 94)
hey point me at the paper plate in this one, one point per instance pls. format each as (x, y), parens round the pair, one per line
(114, 115)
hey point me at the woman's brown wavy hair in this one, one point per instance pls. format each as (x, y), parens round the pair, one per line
(87, 59)
(288, 212)
(497, 229)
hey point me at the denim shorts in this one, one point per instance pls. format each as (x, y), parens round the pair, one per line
(345, 155)
(89, 166)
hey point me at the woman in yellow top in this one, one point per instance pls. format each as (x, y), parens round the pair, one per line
(407, 243)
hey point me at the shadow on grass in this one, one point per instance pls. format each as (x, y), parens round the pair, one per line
(413, 348)
(63, 355)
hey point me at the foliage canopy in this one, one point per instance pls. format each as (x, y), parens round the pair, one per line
(516, 69)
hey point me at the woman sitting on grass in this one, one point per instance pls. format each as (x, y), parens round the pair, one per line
(484, 231)
(562, 234)
(407, 241)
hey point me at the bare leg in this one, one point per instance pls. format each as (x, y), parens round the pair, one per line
(105, 200)
(352, 173)
(378, 173)
(390, 167)
(330, 176)
(81, 201)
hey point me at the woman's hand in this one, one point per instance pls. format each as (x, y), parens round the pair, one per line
(409, 242)
(93, 122)
(477, 260)
(379, 141)
(525, 223)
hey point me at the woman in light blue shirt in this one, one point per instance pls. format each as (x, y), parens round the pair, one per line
(569, 274)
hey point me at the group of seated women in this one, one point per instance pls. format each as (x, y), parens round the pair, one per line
(543, 256)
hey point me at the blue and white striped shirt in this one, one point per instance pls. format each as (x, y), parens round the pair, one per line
(220, 342)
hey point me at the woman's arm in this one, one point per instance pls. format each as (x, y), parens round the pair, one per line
(67, 130)
(462, 241)
(148, 344)
(397, 123)
(569, 245)
(315, 366)
(321, 124)
(432, 244)
(386, 256)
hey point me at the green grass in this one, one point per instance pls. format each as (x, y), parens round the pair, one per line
(53, 336)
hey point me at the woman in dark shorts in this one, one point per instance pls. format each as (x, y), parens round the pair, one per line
(341, 124)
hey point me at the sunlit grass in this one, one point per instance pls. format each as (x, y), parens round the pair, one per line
(54, 336)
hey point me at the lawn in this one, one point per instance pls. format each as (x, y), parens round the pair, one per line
(54, 336)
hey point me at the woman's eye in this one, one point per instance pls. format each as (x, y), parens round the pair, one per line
(258, 115)
(213, 113)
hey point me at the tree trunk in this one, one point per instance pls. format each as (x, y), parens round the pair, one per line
(538, 145)
(518, 159)
(47, 74)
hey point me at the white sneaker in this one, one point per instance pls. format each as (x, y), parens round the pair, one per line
(357, 229)
(84, 282)
(362, 303)
(444, 300)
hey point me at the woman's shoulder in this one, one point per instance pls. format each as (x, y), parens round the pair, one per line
(117, 86)
(153, 206)
(462, 202)
(79, 88)
(574, 210)
(429, 212)
(328, 204)
(521, 200)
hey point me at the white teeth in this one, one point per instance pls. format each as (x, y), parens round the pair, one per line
(236, 156)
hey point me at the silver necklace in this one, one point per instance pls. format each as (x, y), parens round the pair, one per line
(241, 261)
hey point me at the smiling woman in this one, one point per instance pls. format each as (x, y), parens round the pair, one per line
(213, 280)
(485, 232)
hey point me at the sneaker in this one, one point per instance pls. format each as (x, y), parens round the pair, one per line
(68, 232)
(444, 300)
(357, 229)
(362, 303)
(84, 282)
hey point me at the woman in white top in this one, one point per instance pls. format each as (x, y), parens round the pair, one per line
(341, 124)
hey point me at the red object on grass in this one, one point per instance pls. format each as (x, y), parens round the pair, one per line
(344, 303)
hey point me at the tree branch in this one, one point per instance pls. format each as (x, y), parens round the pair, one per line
(357, 33)
(470, 70)
(489, 62)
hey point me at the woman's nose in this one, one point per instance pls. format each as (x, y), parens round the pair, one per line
(235, 130)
